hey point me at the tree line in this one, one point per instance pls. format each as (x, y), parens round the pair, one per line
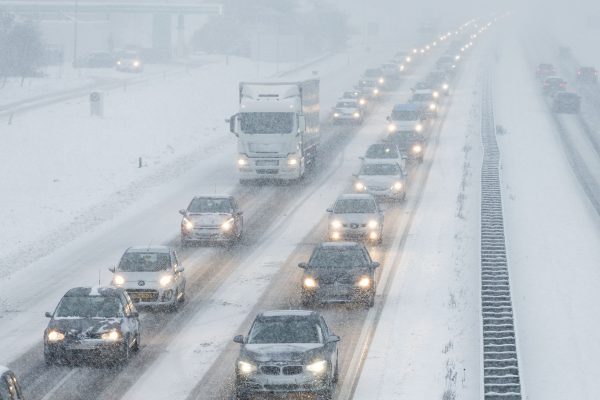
(21, 47)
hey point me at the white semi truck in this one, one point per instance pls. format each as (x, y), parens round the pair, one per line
(277, 128)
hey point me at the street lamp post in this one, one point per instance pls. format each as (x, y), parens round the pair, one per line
(75, 34)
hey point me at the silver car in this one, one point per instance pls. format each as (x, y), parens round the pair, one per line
(287, 351)
(211, 219)
(381, 178)
(152, 276)
(356, 217)
(348, 110)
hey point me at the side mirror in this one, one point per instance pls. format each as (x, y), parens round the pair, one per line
(329, 210)
(112, 269)
(333, 339)
(179, 269)
(135, 314)
(375, 264)
(240, 213)
(183, 212)
(301, 123)
(302, 265)
(239, 339)
(48, 315)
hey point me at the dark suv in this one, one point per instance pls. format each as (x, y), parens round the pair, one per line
(94, 324)
(287, 351)
(587, 75)
(339, 272)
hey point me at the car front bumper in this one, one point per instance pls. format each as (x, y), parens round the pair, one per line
(358, 234)
(207, 234)
(85, 349)
(338, 293)
(280, 384)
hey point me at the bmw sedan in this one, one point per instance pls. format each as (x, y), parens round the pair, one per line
(287, 351)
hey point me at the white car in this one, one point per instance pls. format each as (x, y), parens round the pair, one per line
(152, 276)
(211, 219)
(355, 217)
(386, 152)
(381, 178)
(348, 110)
(406, 118)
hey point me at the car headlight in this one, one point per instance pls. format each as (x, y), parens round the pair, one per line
(136, 63)
(432, 107)
(392, 128)
(418, 128)
(397, 185)
(55, 336)
(362, 102)
(417, 148)
(166, 280)
(317, 367)
(111, 336)
(408, 59)
(227, 225)
(242, 161)
(457, 58)
(445, 86)
(246, 367)
(309, 282)
(356, 115)
(187, 224)
(435, 95)
(373, 224)
(292, 160)
(381, 80)
(375, 91)
(118, 62)
(401, 67)
(336, 114)
(335, 224)
(359, 186)
(364, 282)
(119, 280)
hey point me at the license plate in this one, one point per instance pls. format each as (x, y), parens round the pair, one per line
(267, 163)
(142, 296)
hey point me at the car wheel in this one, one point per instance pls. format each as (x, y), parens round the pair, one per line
(336, 373)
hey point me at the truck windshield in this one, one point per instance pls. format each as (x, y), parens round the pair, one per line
(405, 115)
(267, 122)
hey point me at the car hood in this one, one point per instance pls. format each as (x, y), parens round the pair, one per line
(81, 328)
(206, 219)
(282, 352)
(336, 274)
(136, 276)
(354, 218)
(379, 180)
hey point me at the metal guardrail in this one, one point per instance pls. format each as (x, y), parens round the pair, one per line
(501, 380)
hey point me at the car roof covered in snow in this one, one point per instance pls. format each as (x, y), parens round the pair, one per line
(288, 313)
(105, 291)
(148, 249)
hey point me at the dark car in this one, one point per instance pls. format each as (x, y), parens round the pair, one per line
(566, 102)
(410, 143)
(439, 80)
(587, 75)
(9, 387)
(544, 70)
(339, 272)
(553, 84)
(287, 351)
(92, 324)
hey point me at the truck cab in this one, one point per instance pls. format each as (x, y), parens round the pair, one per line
(277, 128)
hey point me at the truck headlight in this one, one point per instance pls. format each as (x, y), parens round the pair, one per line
(435, 95)
(362, 102)
(392, 128)
(55, 336)
(187, 224)
(246, 367)
(227, 225)
(317, 367)
(397, 186)
(432, 107)
(309, 282)
(166, 280)
(111, 336)
(364, 282)
(136, 63)
(292, 160)
(445, 86)
(335, 224)
(336, 114)
(418, 128)
(356, 115)
(381, 80)
(373, 224)
(417, 148)
(408, 59)
(359, 186)
(375, 91)
(118, 280)
(242, 161)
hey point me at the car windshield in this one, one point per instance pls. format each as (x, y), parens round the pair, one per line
(381, 151)
(209, 205)
(421, 96)
(338, 258)
(89, 307)
(350, 95)
(346, 104)
(355, 206)
(284, 330)
(379, 169)
(144, 262)
(412, 115)
(267, 122)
